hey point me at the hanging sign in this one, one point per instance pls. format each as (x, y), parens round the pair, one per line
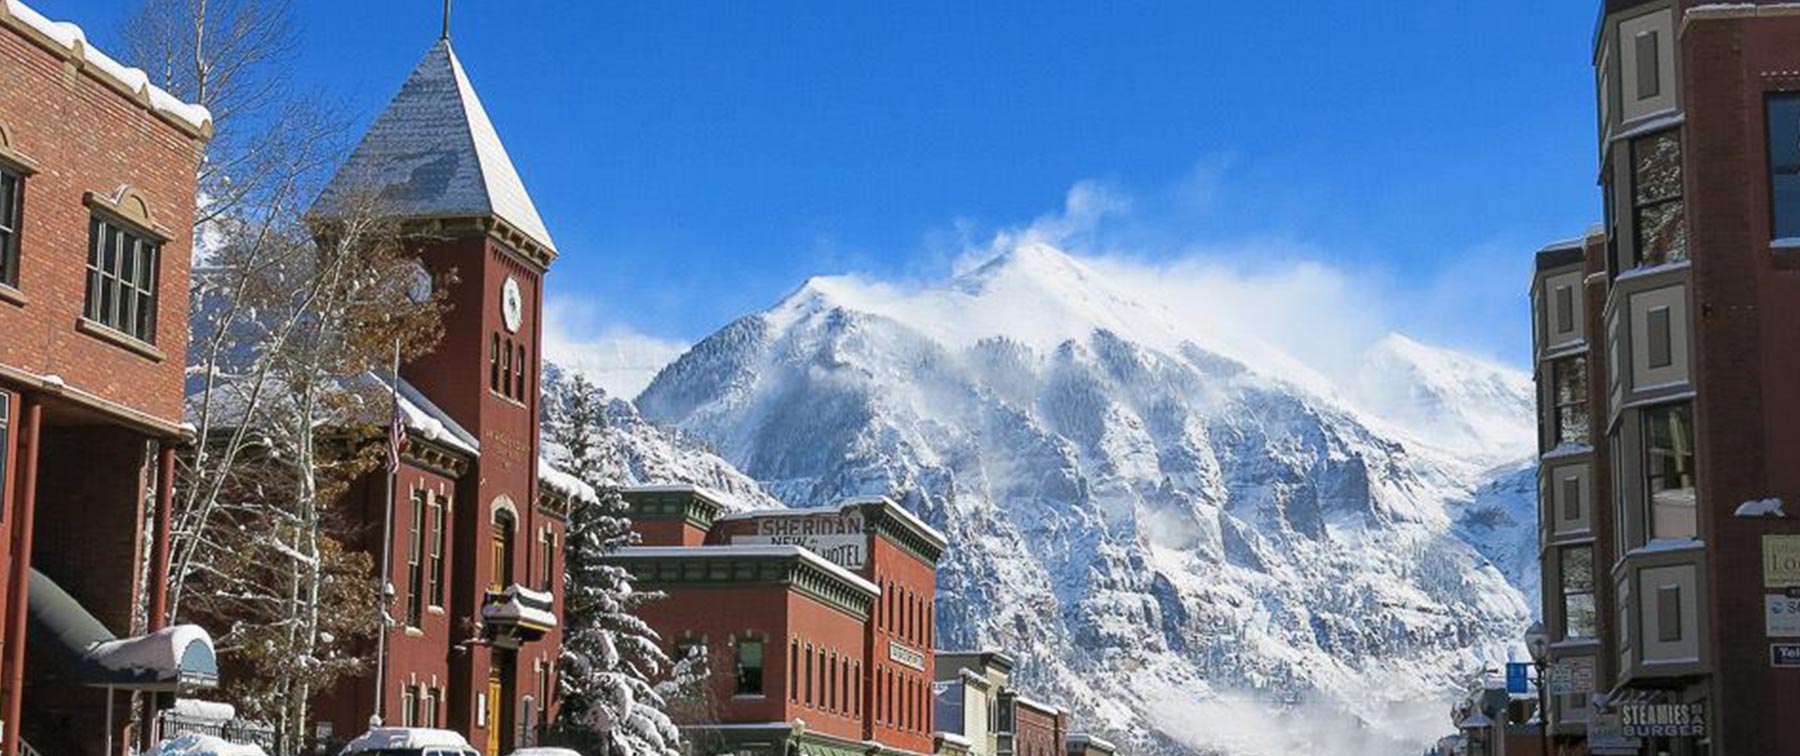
(1781, 561)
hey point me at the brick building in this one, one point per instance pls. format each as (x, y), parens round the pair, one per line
(1666, 345)
(478, 519)
(97, 181)
(818, 623)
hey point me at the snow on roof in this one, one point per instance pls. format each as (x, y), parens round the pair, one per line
(1039, 705)
(1761, 508)
(432, 422)
(205, 745)
(951, 737)
(900, 511)
(687, 488)
(545, 751)
(382, 738)
(433, 153)
(566, 484)
(748, 550)
(515, 611)
(1094, 741)
(74, 41)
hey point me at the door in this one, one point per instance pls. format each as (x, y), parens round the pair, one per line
(494, 697)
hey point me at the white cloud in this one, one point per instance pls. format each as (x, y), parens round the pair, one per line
(616, 357)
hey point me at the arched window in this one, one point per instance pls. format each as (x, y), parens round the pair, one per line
(501, 548)
(494, 363)
(519, 376)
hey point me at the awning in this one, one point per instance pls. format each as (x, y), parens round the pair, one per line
(175, 658)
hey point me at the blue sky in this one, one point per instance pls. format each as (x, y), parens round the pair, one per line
(696, 160)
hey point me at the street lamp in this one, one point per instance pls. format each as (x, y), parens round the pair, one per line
(1537, 643)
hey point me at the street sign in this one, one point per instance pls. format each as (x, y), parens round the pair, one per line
(1562, 679)
(1784, 655)
(1781, 561)
(1518, 677)
(1781, 618)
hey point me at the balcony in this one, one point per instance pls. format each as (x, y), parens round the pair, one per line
(517, 615)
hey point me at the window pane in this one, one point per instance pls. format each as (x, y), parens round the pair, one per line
(1570, 379)
(1657, 167)
(1668, 613)
(1662, 234)
(1784, 163)
(1658, 338)
(1649, 73)
(1669, 466)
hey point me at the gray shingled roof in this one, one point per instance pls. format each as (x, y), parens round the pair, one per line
(433, 153)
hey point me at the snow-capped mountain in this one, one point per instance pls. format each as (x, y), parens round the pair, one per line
(1198, 543)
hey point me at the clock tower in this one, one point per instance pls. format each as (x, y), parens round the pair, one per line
(487, 657)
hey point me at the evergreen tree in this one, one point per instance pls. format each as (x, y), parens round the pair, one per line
(612, 659)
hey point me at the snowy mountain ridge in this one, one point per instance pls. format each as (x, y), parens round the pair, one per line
(1199, 543)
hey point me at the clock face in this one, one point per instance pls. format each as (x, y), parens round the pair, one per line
(512, 307)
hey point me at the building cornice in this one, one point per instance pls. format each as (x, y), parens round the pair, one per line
(75, 52)
(726, 566)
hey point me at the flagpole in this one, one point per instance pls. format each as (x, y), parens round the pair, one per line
(387, 542)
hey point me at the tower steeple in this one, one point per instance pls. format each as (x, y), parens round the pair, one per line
(433, 154)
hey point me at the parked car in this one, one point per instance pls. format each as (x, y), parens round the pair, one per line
(546, 751)
(409, 741)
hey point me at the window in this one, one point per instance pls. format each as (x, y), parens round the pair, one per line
(1649, 68)
(121, 285)
(1668, 614)
(547, 575)
(500, 548)
(1661, 221)
(506, 368)
(5, 446)
(794, 671)
(1658, 339)
(415, 563)
(409, 707)
(519, 376)
(1579, 618)
(809, 675)
(1669, 470)
(494, 364)
(1571, 498)
(434, 568)
(1565, 309)
(749, 667)
(1784, 164)
(546, 674)
(427, 707)
(1569, 377)
(12, 198)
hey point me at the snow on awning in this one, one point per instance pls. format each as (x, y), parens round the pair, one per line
(174, 658)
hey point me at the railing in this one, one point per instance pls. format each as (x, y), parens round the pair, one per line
(174, 725)
(25, 749)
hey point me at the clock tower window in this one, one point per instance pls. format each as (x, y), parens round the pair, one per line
(494, 363)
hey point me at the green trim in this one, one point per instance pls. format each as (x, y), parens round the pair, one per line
(902, 532)
(691, 506)
(794, 572)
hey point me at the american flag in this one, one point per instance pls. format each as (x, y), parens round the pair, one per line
(396, 437)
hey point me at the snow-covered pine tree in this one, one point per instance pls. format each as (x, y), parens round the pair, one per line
(612, 659)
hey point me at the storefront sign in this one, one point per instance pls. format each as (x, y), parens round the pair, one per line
(906, 656)
(1785, 655)
(1562, 679)
(837, 537)
(1606, 735)
(1781, 618)
(1663, 720)
(1781, 561)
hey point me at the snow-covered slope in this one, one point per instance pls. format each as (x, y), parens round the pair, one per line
(633, 451)
(1198, 543)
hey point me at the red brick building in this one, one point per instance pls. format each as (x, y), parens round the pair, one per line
(1038, 729)
(478, 520)
(1667, 344)
(817, 622)
(97, 181)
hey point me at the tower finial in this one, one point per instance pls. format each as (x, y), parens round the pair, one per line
(446, 33)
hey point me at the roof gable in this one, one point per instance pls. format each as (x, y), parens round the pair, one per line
(433, 153)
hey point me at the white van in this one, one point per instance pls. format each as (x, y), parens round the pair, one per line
(409, 741)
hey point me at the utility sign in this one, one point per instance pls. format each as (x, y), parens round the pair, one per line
(1784, 655)
(1781, 618)
(1518, 677)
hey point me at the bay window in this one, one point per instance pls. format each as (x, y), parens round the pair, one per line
(1579, 617)
(1669, 471)
(1570, 382)
(1659, 216)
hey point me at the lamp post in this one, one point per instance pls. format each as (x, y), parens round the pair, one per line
(1537, 643)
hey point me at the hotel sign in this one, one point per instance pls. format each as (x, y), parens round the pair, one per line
(1781, 561)
(840, 538)
(1663, 720)
(905, 656)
